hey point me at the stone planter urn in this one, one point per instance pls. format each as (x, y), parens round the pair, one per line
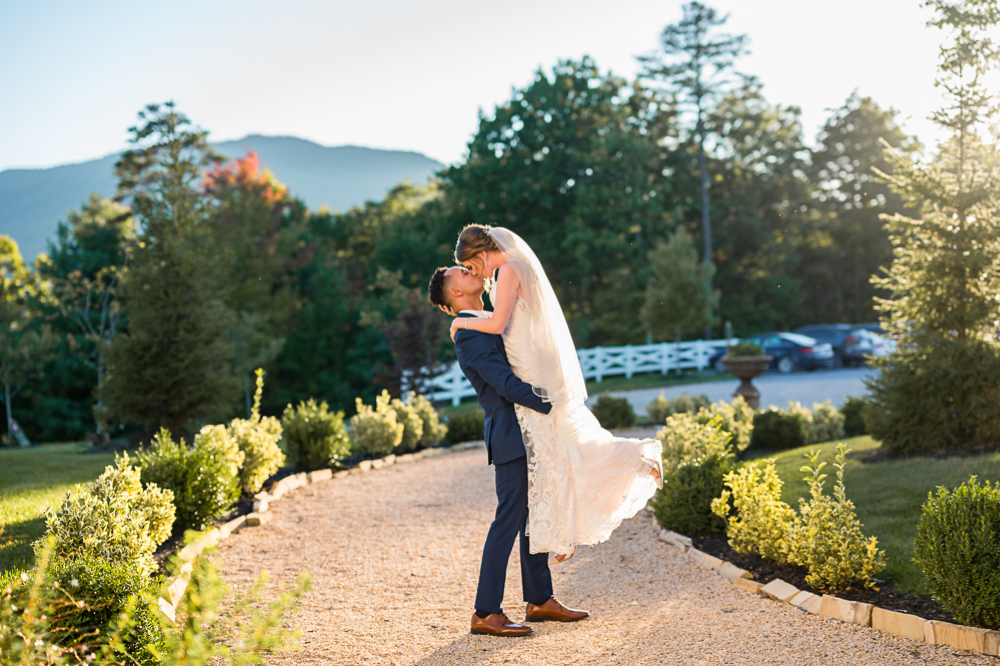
(746, 368)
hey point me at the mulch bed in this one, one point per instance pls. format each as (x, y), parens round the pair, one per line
(764, 571)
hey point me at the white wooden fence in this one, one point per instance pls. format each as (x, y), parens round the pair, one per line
(600, 362)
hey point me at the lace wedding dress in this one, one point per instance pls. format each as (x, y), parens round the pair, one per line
(582, 480)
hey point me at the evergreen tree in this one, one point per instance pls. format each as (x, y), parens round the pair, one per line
(24, 350)
(679, 295)
(848, 189)
(174, 365)
(696, 60)
(939, 389)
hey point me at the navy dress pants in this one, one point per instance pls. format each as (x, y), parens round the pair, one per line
(511, 518)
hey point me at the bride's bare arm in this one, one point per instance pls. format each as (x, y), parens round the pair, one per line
(507, 284)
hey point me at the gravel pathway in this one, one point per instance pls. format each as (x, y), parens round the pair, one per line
(394, 554)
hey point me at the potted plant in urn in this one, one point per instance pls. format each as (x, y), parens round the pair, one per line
(746, 360)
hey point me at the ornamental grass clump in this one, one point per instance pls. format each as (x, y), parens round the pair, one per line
(413, 425)
(684, 438)
(257, 437)
(314, 436)
(204, 477)
(375, 430)
(827, 539)
(114, 518)
(958, 549)
(434, 431)
(757, 521)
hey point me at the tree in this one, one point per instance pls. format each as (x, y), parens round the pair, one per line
(23, 350)
(573, 163)
(844, 166)
(174, 365)
(696, 61)
(938, 390)
(679, 295)
(85, 266)
(258, 239)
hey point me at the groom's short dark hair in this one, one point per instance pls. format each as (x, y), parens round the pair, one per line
(437, 290)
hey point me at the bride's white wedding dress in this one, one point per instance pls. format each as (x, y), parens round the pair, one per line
(582, 480)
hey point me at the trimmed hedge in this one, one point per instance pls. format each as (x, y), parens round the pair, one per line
(614, 412)
(466, 426)
(777, 430)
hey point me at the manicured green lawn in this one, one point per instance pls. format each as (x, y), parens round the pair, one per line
(31, 480)
(888, 496)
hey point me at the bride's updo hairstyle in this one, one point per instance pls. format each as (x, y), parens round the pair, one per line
(474, 240)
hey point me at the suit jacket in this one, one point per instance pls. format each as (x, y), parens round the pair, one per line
(483, 359)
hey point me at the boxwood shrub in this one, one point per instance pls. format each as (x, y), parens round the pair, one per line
(466, 426)
(685, 502)
(314, 436)
(614, 412)
(854, 420)
(958, 548)
(776, 430)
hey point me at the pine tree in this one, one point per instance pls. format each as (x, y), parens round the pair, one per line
(174, 364)
(939, 390)
(679, 295)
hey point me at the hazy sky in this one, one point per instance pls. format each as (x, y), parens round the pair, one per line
(401, 73)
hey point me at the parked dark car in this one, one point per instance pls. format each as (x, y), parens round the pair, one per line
(847, 346)
(790, 351)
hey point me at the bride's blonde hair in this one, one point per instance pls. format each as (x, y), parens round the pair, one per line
(473, 241)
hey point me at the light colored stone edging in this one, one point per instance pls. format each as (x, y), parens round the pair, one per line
(173, 588)
(904, 625)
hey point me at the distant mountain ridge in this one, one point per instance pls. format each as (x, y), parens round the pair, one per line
(34, 201)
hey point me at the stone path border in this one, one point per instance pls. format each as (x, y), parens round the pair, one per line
(935, 632)
(173, 589)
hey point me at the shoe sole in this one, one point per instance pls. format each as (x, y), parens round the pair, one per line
(480, 632)
(553, 619)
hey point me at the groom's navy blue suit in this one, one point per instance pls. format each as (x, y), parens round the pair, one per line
(483, 359)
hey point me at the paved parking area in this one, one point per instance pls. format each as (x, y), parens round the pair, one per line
(775, 389)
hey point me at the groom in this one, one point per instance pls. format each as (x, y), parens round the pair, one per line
(484, 361)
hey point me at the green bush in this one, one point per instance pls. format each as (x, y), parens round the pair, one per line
(745, 350)
(434, 431)
(466, 426)
(375, 430)
(826, 423)
(854, 420)
(734, 417)
(661, 408)
(614, 412)
(107, 589)
(41, 622)
(413, 426)
(314, 436)
(685, 502)
(827, 538)
(936, 397)
(257, 437)
(204, 478)
(114, 518)
(958, 549)
(776, 430)
(685, 439)
(757, 521)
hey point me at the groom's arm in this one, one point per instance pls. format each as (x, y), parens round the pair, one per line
(476, 351)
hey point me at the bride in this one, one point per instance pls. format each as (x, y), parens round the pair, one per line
(582, 480)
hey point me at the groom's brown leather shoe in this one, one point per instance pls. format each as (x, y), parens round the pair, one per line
(497, 624)
(552, 610)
